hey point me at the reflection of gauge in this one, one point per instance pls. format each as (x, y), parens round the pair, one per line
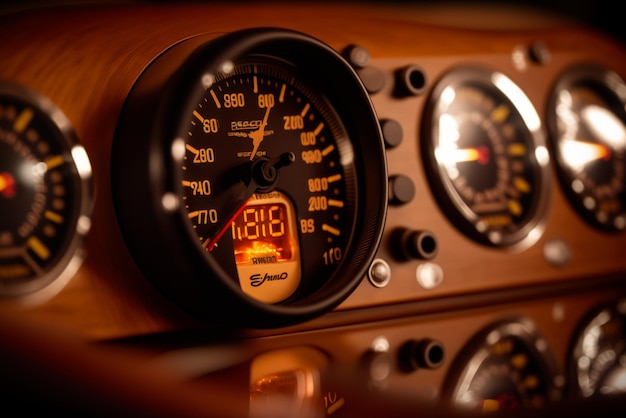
(265, 186)
(507, 367)
(45, 195)
(588, 125)
(485, 156)
(598, 362)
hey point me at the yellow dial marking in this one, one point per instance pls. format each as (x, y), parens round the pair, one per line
(517, 150)
(53, 216)
(330, 229)
(305, 110)
(198, 116)
(531, 382)
(255, 83)
(502, 347)
(216, 100)
(500, 113)
(515, 208)
(522, 185)
(519, 361)
(38, 248)
(334, 178)
(186, 183)
(191, 149)
(23, 119)
(328, 150)
(54, 162)
(318, 129)
(490, 405)
(281, 97)
(335, 203)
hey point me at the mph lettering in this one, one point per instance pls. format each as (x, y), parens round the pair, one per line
(257, 280)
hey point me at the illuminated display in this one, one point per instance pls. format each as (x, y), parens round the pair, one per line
(261, 233)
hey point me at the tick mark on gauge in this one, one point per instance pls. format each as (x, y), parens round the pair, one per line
(335, 203)
(331, 230)
(328, 150)
(216, 100)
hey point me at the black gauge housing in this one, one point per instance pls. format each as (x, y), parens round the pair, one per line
(152, 206)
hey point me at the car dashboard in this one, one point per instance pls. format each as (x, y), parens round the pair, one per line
(315, 209)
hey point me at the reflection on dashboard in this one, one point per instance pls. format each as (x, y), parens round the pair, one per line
(322, 211)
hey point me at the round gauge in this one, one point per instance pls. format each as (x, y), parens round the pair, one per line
(252, 185)
(45, 196)
(598, 360)
(588, 126)
(508, 366)
(485, 157)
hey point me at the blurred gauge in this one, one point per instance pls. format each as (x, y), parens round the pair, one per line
(588, 127)
(485, 157)
(598, 360)
(45, 195)
(509, 366)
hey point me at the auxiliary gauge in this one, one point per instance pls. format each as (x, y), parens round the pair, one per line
(588, 126)
(45, 196)
(507, 366)
(249, 177)
(486, 158)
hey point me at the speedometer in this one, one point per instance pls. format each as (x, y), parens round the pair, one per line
(264, 185)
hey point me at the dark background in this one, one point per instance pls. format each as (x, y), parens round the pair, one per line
(602, 14)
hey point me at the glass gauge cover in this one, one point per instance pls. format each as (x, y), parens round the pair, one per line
(263, 197)
(45, 196)
(598, 359)
(485, 157)
(587, 117)
(508, 366)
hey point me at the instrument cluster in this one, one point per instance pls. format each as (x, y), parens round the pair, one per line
(448, 221)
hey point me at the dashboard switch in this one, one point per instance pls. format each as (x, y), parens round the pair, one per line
(425, 354)
(414, 244)
(401, 190)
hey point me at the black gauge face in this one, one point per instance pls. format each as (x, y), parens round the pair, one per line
(589, 140)
(265, 188)
(485, 157)
(44, 193)
(509, 367)
(598, 360)
(269, 179)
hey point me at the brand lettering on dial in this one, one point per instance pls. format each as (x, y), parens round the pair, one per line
(238, 125)
(257, 280)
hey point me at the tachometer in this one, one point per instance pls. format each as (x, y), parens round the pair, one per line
(263, 189)
(485, 157)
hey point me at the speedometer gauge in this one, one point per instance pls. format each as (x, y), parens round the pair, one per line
(263, 191)
(588, 126)
(485, 157)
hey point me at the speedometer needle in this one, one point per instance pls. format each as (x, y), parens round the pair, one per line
(480, 154)
(261, 176)
(258, 135)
